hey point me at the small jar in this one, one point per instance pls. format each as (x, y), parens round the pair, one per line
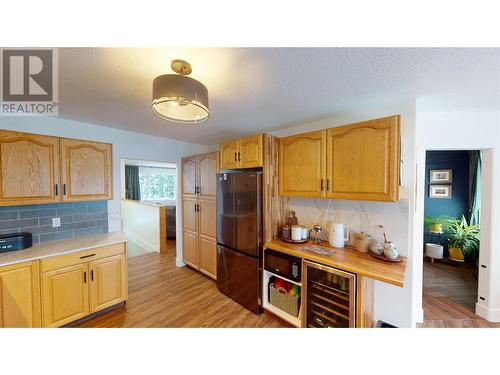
(296, 232)
(305, 232)
(285, 232)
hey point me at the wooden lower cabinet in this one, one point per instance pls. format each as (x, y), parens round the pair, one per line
(190, 248)
(65, 295)
(208, 256)
(20, 295)
(108, 282)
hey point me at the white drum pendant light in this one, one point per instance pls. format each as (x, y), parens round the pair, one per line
(179, 98)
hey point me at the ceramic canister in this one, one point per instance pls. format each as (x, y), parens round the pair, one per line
(296, 232)
(285, 232)
(304, 232)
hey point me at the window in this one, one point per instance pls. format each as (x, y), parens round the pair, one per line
(157, 183)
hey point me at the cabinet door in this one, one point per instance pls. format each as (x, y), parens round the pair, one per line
(207, 218)
(208, 168)
(65, 295)
(229, 155)
(208, 256)
(20, 296)
(189, 215)
(363, 160)
(87, 170)
(29, 169)
(108, 282)
(302, 165)
(251, 154)
(190, 248)
(189, 171)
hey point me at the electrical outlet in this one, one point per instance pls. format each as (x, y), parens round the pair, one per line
(56, 222)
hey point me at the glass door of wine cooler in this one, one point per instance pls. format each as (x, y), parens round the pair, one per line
(330, 298)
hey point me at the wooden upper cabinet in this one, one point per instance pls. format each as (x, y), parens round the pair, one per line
(208, 168)
(251, 154)
(87, 170)
(29, 169)
(189, 170)
(242, 153)
(229, 155)
(302, 165)
(20, 296)
(363, 160)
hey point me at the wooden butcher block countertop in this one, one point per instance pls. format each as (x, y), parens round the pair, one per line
(347, 259)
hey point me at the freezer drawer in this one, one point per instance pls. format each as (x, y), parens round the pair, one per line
(238, 277)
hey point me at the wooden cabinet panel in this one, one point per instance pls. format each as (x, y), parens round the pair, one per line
(190, 248)
(189, 170)
(29, 168)
(20, 296)
(229, 155)
(108, 282)
(208, 218)
(363, 160)
(208, 256)
(86, 169)
(189, 215)
(302, 165)
(65, 295)
(251, 154)
(208, 168)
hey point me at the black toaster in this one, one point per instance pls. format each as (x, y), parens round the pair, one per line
(15, 241)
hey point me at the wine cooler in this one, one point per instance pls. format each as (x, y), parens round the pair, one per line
(330, 297)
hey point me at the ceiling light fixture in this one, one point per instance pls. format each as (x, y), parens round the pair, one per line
(179, 98)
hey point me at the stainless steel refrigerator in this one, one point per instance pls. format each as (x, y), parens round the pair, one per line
(239, 236)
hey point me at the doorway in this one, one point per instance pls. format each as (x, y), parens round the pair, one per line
(148, 205)
(451, 240)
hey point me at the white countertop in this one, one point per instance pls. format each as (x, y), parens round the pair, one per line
(55, 248)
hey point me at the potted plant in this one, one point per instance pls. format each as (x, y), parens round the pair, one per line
(437, 224)
(463, 240)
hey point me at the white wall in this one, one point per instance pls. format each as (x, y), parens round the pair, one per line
(465, 131)
(141, 224)
(126, 145)
(392, 304)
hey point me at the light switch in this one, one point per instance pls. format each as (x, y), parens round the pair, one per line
(56, 222)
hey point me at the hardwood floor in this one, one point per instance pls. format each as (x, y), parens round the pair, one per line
(163, 295)
(449, 296)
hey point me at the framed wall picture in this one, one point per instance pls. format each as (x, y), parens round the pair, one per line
(440, 191)
(441, 176)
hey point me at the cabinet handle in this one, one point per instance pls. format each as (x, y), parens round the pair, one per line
(87, 256)
(327, 184)
(235, 158)
(239, 156)
(92, 275)
(57, 190)
(321, 185)
(64, 189)
(85, 277)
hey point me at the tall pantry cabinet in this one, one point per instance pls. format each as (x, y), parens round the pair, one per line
(199, 249)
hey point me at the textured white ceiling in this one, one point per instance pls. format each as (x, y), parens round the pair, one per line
(253, 90)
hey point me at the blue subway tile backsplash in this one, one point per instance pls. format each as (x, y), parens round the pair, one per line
(77, 219)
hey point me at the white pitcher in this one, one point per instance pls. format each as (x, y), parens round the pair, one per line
(338, 234)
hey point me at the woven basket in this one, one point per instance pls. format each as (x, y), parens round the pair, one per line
(284, 302)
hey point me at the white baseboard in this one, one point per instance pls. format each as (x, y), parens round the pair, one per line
(491, 315)
(139, 241)
(420, 316)
(179, 262)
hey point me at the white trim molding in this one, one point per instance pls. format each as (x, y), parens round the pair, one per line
(179, 262)
(491, 315)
